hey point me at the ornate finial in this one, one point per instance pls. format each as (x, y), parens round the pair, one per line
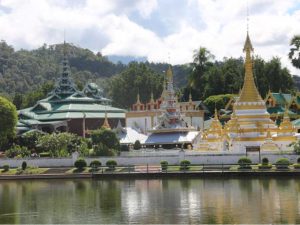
(138, 98)
(190, 96)
(286, 112)
(216, 113)
(152, 98)
(169, 74)
(247, 18)
(106, 123)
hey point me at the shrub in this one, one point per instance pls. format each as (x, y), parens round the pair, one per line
(80, 164)
(265, 161)
(95, 164)
(137, 145)
(164, 165)
(17, 150)
(105, 137)
(244, 163)
(5, 168)
(24, 165)
(298, 160)
(111, 164)
(185, 164)
(103, 150)
(124, 148)
(282, 163)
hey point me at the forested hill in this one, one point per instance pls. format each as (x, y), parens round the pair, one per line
(23, 71)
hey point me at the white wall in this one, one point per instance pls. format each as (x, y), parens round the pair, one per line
(142, 158)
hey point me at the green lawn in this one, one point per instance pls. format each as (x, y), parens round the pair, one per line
(24, 172)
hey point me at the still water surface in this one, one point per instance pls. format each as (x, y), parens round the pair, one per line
(262, 200)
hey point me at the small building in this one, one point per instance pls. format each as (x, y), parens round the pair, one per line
(68, 109)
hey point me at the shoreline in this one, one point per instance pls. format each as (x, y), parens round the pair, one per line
(154, 175)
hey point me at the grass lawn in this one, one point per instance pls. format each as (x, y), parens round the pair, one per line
(177, 168)
(24, 172)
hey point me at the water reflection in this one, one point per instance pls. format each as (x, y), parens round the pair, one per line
(261, 200)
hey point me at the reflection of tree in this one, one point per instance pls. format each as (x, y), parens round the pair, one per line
(7, 204)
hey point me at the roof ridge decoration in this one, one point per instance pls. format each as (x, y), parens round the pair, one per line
(64, 85)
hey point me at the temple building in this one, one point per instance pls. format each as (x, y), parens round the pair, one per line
(171, 128)
(68, 109)
(144, 117)
(250, 126)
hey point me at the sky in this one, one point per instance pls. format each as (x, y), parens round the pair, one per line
(160, 30)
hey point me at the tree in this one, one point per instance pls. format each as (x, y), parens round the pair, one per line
(8, 121)
(202, 61)
(105, 137)
(217, 101)
(294, 54)
(137, 78)
(58, 144)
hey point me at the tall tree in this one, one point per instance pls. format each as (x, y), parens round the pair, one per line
(8, 121)
(202, 61)
(294, 54)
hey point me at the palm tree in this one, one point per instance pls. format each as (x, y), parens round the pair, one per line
(294, 54)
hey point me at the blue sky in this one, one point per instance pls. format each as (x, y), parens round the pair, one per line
(154, 29)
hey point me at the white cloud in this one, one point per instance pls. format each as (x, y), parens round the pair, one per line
(113, 26)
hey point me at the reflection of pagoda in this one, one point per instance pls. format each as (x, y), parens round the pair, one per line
(171, 127)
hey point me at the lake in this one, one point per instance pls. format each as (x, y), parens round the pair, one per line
(202, 200)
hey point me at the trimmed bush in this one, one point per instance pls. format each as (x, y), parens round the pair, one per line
(137, 145)
(265, 164)
(298, 160)
(80, 164)
(282, 163)
(244, 163)
(111, 164)
(24, 165)
(265, 161)
(164, 165)
(185, 164)
(5, 168)
(95, 164)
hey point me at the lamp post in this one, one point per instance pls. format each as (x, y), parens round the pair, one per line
(83, 125)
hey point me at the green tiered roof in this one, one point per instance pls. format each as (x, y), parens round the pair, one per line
(66, 102)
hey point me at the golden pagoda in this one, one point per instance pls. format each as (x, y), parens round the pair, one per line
(106, 123)
(250, 125)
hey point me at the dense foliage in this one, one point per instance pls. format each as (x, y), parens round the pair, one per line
(137, 78)
(80, 164)
(217, 101)
(8, 121)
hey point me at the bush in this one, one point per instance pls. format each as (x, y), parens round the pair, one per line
(24, 165)
(164, 165)
(244, 163)
(45, 154)
(5, 168)
(95, 164)
(265, 161)
(137, 145)
(298, 160)
(185, 164)
(106, 137)
(80, 164)
(282, 163)
(17, 150)
(103, 150)
(124, 148)
(111, 164)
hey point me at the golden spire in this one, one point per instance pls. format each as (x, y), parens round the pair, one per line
(190, 97)
(249, 91)
(169, 74)
(216, 114)
(106, 123)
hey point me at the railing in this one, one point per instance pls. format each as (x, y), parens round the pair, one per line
(194, 168)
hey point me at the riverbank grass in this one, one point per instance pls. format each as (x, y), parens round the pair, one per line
(27, 171)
